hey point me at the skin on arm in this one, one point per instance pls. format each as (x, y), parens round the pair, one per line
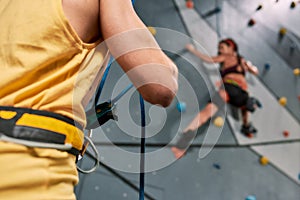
(250, 67)
(204, 57)
(137, 52)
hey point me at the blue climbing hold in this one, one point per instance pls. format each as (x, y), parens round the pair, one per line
(267, 66)
(217, 166)
(259, 7)
(181, 106)
(250, 197)
(218, 9)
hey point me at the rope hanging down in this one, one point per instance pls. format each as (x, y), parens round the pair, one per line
(143, 147)
(105, 112)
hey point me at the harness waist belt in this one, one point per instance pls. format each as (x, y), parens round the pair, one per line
(231, 82)
(42, 127)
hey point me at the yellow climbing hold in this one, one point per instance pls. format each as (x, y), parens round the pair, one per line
(297, 72)
(264, 160)
(283, 101)
(219, 121)
(282, 31)
(152, 30)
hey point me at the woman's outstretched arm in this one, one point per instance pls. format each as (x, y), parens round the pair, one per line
(204, 57)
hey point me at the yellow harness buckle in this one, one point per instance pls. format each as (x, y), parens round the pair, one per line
(7, 114)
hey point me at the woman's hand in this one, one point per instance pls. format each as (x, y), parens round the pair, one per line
(252, 68)
(204, 57)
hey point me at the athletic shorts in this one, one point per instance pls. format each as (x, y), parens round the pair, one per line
(237, 96)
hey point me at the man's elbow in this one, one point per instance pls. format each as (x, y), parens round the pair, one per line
(165, 97)
(160, 95)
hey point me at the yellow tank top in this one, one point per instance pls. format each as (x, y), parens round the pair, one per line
(44, 65)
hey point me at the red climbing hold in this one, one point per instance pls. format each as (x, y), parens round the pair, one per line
(286, 133)
(189, 4)
(251, 22)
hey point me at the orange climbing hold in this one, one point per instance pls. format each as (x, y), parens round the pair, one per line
(189, 4)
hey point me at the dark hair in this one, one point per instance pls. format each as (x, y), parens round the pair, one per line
(230, 42)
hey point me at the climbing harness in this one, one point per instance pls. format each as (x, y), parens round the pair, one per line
(36, 128)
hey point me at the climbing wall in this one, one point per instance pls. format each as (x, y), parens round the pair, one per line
(232, 169)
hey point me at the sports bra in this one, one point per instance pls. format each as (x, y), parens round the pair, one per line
(233, 69)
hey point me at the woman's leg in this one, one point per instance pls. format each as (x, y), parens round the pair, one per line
(202, 117)
(245, 116)
(240, 98)
(247, 128)
(189, 132)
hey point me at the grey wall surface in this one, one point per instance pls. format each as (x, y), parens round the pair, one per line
(230, 171)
